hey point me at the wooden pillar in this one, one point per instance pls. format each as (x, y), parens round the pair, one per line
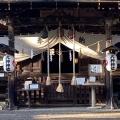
(108, 43)
(11, 84)
(109, 85)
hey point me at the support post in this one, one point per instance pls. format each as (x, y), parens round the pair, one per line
(93, 96)
(11, 78)
(109, 84)
(108, 43)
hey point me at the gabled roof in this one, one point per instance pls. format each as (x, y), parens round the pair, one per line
(6, 49)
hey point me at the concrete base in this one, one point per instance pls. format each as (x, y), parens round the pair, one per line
(96, 107)
(10, 106)
(2, 104)
(111, 105)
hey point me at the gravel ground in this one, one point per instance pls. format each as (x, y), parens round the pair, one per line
(61, 113)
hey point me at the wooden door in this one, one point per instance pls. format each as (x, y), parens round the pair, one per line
(66, 97)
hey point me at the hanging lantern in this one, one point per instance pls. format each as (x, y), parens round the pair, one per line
(52, 51)
(8, 63)
(76, 60)
(111, 62)
(81, 40)
(44, 34)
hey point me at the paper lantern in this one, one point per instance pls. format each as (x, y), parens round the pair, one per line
(76, 60)
(8, 63)
(111, 62)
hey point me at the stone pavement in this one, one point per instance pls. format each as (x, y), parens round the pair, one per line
(60, 113)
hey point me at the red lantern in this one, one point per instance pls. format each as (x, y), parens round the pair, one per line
(8, 63)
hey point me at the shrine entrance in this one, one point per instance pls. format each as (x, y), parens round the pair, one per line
(66, 63)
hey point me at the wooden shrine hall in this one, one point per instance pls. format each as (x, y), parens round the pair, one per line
(59, 51)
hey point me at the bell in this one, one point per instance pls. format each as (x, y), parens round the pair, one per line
(82, 40)
(44, 34)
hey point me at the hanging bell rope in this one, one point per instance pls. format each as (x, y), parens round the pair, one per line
(48, 81)
(60, 87)
(73, 82)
